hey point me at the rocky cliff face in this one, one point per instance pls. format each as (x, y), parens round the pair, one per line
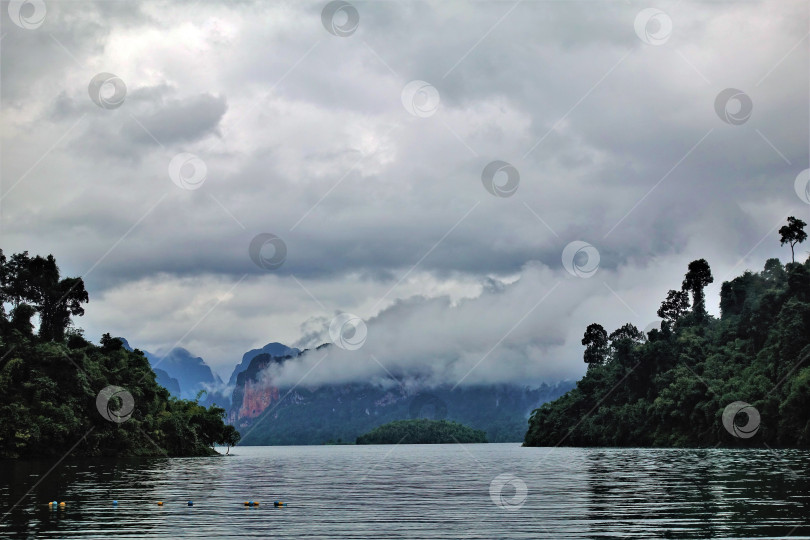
(256, 397)
(252, 395)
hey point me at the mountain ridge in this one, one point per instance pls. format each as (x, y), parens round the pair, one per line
(327, 412)
(266, 414)
(273, 349)
(185, 375)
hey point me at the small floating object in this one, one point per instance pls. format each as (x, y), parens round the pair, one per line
(51, 503)
(278, 503)
(256, 503)
(247, 503)
(160, 503)
(191, 503)
(61, 505)
(115, 503)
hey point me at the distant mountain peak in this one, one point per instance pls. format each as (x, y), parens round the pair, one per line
(184, 374)
(274, 349)
(177, 352)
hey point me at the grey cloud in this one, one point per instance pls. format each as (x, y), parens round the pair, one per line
(514, 333)
(150, 119)
(304, 136)
(183, 120)
(34, 61)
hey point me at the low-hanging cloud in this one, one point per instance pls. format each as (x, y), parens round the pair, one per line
(523, 332)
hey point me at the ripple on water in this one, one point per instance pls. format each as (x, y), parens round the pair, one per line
(418, 491)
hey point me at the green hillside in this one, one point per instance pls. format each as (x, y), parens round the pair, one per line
(61, 394)
(672, 387)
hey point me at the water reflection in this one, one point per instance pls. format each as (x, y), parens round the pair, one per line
(411, 491)
(698, 493)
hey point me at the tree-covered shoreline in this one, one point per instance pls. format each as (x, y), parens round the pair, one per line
(422, 431)
(61, 394)
(699, 381)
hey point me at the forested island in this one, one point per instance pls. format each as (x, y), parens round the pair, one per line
(422, 431)
(59, 393)
(672, 386)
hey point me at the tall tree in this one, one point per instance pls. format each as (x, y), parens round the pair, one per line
(16, 278)
(793, 233)
(627, 332)
(55, 299)
(622, 341)
(674, 307)
(696, 279)
(229, 436)
(596, 344)
(35, 281)
(3, 280)
(774, 271)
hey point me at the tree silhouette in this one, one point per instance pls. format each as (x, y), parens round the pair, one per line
(628, 331)
(622, 341)
(793, 233)
(16, 278)
(596, 344)
(674, 307)
(774, 270)
(230, 437)
(696, 279)
(35, 281)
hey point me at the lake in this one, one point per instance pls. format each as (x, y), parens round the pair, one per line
(417, 491)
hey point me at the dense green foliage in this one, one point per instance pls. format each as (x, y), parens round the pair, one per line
(422, 431)
(670, 388)
(50, 381)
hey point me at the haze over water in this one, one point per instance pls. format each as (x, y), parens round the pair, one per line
(419, 491)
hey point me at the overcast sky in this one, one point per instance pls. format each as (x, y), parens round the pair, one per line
(146, 144)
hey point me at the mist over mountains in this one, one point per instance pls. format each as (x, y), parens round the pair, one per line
(185, 375)
(273, 349)
(267, 409)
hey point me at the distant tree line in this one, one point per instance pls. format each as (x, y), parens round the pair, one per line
(422, 431)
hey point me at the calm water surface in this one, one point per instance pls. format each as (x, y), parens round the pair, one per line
(417, 491)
